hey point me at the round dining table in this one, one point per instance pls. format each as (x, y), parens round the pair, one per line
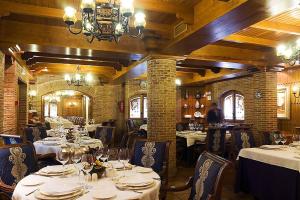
(45, 147)
(25, 192)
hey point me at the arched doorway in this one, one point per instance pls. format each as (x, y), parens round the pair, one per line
(66, 104)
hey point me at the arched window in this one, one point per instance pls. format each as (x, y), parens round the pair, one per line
(138, 107)
(233, 106)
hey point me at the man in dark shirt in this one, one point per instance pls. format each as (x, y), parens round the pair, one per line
(214, 115)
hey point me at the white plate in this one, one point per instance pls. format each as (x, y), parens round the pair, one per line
(32, 182)
(143, 170)
(53, 188)
(136, 181)
(51, 139)
(104, 194)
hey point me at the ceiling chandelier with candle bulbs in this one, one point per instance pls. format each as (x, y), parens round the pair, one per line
(289, 53)
(78, 78)
(105, 20)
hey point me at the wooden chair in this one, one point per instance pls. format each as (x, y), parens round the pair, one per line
(34, 134)
(208, 178)
(216, 140)
(106, 134)
(242, 137)
(155, 155)
(4, 196)
(17, 161)
(11, 139)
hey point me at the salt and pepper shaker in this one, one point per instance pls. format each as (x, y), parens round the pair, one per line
(94, 177)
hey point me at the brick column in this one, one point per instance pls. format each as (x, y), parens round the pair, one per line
(265, 109)
(161, 95)
(2, 66)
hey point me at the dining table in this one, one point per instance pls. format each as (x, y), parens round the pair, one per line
(30, 187)
(193, 136)
(54, 144)
(269, 172)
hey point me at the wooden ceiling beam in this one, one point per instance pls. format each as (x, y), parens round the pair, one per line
(231, 17)
(278, 27)
(251, 40)
(40, 11)
(211, 64)
(35, 60)
(28, 33)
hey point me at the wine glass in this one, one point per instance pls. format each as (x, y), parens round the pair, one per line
(99, 153)
(63, 156)
(124, 157)
(105, 154)
(277, 138)
(87, 163)
(283, 139)
(76, 157)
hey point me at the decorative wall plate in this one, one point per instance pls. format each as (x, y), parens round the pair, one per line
(197, 114)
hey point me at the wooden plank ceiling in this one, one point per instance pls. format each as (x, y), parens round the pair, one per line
(224, 37)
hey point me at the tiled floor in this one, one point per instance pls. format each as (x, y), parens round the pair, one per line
(228, 189)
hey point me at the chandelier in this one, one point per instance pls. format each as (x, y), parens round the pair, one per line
(289, 53)
(79, 78)
(105, 20)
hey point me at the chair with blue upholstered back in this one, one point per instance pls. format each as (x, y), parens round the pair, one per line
(17, 161)
(34, 134)
(106, 134)
(216, 140)
(152, 154)
(242, 137)
(206, 184)
(11, 139)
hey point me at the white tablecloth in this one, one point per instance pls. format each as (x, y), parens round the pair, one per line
(92, 127)
(42, 148)
(286, 157)
(193, 136)
(103, 183)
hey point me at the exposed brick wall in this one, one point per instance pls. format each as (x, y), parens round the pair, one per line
(10, 98)
(161, 74)
(259, 112)
(2, 66)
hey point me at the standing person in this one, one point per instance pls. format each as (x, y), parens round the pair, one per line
(215, 115)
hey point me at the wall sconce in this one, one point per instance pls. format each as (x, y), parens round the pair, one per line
(296, 93)
(178, 82)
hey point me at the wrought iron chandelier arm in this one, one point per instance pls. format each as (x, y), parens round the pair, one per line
(73, 32)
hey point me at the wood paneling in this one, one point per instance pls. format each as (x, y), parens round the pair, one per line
(289, 78)
(72, 106)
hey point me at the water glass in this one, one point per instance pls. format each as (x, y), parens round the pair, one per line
(63, 156)
(87, 163)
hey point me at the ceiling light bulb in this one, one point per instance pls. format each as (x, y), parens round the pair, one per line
(140, 20)
(178, 82)
(70, 16)
(67, 77)
(281, 49)
(126, 7)
(77, 77)
(88, 5)
(89, 78)
(288, 53)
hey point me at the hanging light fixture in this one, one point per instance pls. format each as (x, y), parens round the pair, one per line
(78, 78)
(105, 21)
(289, 53)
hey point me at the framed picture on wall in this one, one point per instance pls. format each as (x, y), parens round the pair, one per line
(283, 102)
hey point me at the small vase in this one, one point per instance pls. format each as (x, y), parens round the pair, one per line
(197, 104)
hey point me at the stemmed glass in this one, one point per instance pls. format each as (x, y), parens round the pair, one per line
(63, 156)
(105, 154)
(124, 157)
(76, 157)
(87, 163)
(277, 138)
(283, 139)
(99, 153)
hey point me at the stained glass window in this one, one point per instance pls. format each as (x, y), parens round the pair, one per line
(135, 107)
(233, 106)
(228, 107)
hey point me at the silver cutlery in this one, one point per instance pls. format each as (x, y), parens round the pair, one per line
(31, 192)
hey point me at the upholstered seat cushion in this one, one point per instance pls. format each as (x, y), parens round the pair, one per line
(33, 134)
(206, 173)
(17, 161)
(11, 139)
(149, 154)
(105, 134)
(216, 140)
(243, 138)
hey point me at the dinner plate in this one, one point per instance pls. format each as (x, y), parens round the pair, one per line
(51, 139)
(54, 189)
(143, 170)
(32, 182)
(136, 181)
(40, 196)
(104, 194)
